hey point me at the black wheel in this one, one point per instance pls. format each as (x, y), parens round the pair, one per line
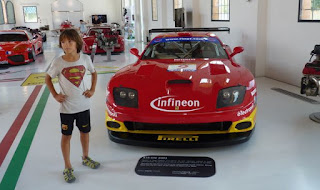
(44, 38)
(33, 55)
(41, 50)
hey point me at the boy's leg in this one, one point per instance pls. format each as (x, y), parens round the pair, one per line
(83, 123)
(65, 148)
(66, 130)
(84, 138)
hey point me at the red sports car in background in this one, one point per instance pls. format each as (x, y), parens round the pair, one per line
(184, 90)
(108, 34)
(19, 47)
(65, 25)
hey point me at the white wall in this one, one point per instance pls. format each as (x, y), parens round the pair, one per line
(110, 7)
(289, 41)
(243, 24)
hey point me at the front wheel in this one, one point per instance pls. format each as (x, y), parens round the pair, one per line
(33, 55)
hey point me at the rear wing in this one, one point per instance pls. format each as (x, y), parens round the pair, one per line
(164, 30)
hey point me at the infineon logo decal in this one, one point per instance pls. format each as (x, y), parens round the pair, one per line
(174, 104)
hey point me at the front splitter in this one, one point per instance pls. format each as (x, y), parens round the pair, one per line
(194, 141)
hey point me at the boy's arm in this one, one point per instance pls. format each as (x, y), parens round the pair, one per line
(50, 85)
(59, 97)
(89, 93)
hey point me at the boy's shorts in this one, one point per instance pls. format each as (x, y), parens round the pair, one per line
(82, 122)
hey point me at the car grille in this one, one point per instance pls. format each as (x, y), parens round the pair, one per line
(216, 126)
(16, 58)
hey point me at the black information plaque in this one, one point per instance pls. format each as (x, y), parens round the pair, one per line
(180, 166)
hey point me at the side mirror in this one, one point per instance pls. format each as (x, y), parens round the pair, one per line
(236, 50)
(135, 51)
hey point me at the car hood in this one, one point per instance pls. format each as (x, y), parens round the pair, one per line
(9, 46)
(198, 72)
(197, 82)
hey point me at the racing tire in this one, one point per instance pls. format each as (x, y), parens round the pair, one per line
(41, 50)
(44, 38)
(33, 55)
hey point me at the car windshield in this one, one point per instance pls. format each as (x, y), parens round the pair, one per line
(13, 37)
(185, 48)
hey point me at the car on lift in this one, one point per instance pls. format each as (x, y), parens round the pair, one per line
(185, 90)
(102, 36)
(32, 31)
(19, 47)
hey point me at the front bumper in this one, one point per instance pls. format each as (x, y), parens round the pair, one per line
(206, 135)
(15, 58)
(176, 141)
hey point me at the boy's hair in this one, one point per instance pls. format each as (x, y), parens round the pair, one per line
(71, 34)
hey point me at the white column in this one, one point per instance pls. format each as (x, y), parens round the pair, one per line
(261, 46)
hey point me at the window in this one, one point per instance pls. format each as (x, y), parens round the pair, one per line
(309, 11)
(1, 13)
(10, 13)
(182, 48)
(154, 10)
(30, 14)
(220, 10)
(177, 4)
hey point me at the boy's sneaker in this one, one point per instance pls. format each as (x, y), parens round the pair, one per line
(90, 163)
(68, 175)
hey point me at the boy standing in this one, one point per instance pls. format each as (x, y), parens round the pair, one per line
(73, 97)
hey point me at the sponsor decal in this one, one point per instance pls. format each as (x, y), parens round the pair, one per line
(112, 114)
(173, 104)
(253, 92)
(188, 138)
(74, 74)
(246, 111)
(175, 39)
(251, 84)
(182, 67)
(187, 59)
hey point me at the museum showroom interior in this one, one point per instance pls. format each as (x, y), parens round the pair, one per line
(183, 94)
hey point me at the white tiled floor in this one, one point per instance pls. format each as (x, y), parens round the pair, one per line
(281, 155)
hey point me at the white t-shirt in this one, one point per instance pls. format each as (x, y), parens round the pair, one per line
(73, 81)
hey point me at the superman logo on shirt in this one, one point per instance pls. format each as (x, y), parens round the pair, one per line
(74, 74)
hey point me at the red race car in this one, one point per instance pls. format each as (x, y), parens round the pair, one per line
(19, 47)
(185, 90)
(102, 36)
(65, 25)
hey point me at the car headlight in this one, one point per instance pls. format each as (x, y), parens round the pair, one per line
(231, 96)
(126, 97)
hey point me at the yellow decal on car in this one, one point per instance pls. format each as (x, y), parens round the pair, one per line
(190, 138)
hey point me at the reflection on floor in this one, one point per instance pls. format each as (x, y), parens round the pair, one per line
(282, 153)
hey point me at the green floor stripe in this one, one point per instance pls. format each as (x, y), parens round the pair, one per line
(10, 178)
